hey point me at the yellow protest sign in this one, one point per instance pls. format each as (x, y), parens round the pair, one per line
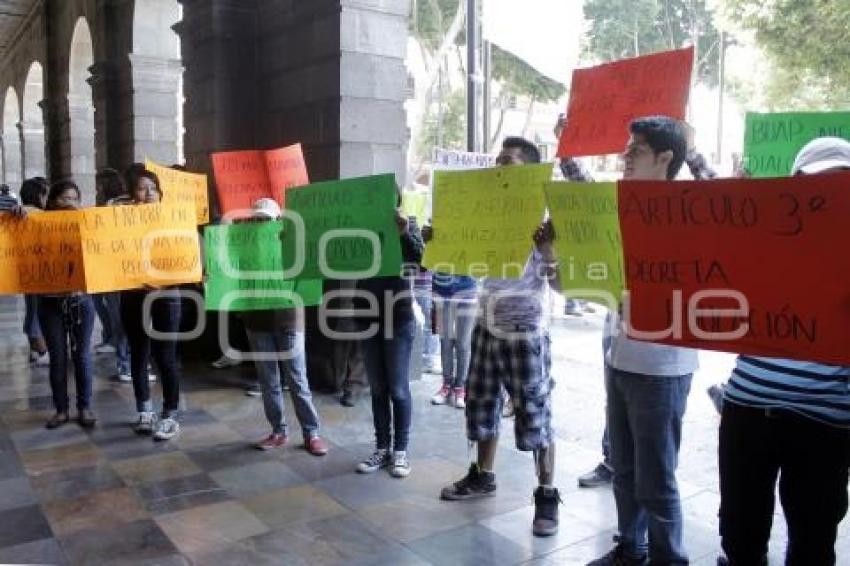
(41, 253)
(415, 203)
(588, 240)
(127, 247)
(484, 219)
(181, 186)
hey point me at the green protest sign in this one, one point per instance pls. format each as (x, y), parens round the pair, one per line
(588, 240)
(771, 141)
(342, 229)
(244, 267)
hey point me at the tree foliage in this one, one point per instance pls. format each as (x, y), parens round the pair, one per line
(808, 44)
(518, 78)
(629, 28)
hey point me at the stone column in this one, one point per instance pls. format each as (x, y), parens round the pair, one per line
(34, 150)
(156, 99)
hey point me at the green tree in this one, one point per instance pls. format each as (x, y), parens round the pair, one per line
(807, 43)
(629, 28)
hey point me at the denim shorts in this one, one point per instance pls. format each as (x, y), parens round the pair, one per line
(522, 365)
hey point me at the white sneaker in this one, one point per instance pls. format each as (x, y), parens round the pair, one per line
(225, 362)
(442, 395)
(104, 348)
(151, 376)
(400, 467)
(146, 423)
(166, 429)
(43, 360)
(124, 377)
(379, 459)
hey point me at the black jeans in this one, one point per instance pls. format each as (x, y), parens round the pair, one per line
(165, 317)
(68, 320)
(809, 458)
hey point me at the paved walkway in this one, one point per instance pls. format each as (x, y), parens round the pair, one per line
(108, 496)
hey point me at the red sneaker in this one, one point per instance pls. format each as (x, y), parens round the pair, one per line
(274, 440)
(316, 446)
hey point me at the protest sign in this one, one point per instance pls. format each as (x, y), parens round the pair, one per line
(772, 141)
(128, 247)
(415, 203)
(182, 186)
(41, 253)
(770, 241)
(484, 219)
(587, 240)
(606, 98)
(244, 267)
(453, 160)
(242, 177)
(349, 230)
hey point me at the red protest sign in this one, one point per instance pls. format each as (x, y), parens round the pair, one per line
(605, 99)
(766, 252)
(242, 177)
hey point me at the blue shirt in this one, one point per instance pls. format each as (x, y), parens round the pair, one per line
(816, 391)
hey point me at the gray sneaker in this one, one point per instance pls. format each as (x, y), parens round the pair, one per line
(146, 423)
(379, 459)
(166, 429)
(599, 476)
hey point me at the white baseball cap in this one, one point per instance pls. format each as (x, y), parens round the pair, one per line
(822, 154)
(266, 208)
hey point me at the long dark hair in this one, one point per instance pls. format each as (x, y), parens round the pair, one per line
(113, 184)
(137, 171)
(60, 187)
(32, 190)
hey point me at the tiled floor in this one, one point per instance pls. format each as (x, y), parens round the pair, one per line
(107, 496)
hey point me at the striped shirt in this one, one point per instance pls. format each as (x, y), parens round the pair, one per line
(815, 391)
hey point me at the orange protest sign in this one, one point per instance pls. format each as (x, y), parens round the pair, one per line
(753, 266)
(41, 253)
(182, 186)
(127, 247)
(242, 177)
(606, 98)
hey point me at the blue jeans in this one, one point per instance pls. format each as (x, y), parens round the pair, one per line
(32, 329)
(102, 309)
(272, 373)
(165, 317)
(645, 427)
(118, 336)
(456, 321)
(64, 320)
(429, 343)
(388, 367)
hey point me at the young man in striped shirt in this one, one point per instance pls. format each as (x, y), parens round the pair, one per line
(788, 419)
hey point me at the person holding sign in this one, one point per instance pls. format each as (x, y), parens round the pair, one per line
(510, 349)
(788, 419)
(164, 313)
(34, 200)
(647, 388)
(68, 319)
(278, 337)
(386, 354)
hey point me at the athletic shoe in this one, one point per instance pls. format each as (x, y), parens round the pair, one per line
(380, 458)
(599, 476)
(57, 420)
(476, 483)
(272, 441)
(618, 557)
(86, 418)
(347, 399)
(441, 397)
(166, 429)
(316, 446)
(459, 394)
(146, 423)
(400, 467)
(124, 377)
(225, 362)
(546, 500)
(253, 390)
(43, 360)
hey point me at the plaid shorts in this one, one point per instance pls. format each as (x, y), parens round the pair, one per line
(523, 366)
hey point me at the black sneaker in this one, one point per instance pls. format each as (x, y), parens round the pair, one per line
(618, 557)
(476, 484)
(599, 476)
(546, 500)
(347, 399)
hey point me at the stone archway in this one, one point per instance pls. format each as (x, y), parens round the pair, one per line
(33, 123)
(12, 158)
(81, 110)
